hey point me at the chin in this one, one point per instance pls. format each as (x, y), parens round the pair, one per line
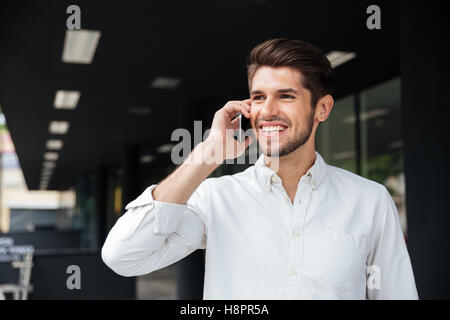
(269, 150)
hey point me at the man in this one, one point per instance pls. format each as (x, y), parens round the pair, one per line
(288, 227)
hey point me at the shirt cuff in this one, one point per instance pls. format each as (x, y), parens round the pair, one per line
(167, 219)
(144, 199)
(165, 222)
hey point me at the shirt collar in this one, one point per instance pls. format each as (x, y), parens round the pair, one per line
(316, 171)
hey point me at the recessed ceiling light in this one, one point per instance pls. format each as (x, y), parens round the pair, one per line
(45, 179)
(51, 156)
(140, 111)
(80, 46)
(48, 165)
(166, 83)
(54, 144)
(147, 158)
(66, 99)
(165, 148)
(46, 170)
(58, 127)
(339, 57)
(46, 174)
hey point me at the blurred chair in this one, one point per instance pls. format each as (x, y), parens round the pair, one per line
(21, 289)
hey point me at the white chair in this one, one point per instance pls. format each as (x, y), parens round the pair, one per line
(23, 287)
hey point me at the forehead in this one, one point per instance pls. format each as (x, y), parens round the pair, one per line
(268, 78)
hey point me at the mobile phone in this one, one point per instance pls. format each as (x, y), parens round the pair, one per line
(244, 124)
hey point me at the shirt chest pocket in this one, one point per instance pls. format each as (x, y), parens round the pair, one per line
(335, 257)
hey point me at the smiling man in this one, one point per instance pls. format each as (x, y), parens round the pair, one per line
(300, 229)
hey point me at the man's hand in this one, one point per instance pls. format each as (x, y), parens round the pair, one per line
(206, 156)
(222, 130)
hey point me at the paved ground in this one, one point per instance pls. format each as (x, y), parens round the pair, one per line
(158, 285)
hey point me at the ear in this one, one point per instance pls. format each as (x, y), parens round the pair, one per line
(323, 107)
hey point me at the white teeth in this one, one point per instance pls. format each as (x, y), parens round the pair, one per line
(272, 128)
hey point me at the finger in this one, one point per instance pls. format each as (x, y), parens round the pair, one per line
(248, 101)
(234, 107)
(243, 103)
(247, 108)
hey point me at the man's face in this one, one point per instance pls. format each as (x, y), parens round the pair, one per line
(281, 112)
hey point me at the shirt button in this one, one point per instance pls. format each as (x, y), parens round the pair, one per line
(313, 184)
(274, 179)
(293, 272)
(287, 199)
(295, 233)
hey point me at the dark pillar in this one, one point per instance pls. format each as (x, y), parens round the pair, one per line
(130, 175)
(190, 273)
(100, 204)
(190, 270)
(424, 56)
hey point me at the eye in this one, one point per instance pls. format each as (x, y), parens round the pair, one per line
(286, 95)
(257, 98)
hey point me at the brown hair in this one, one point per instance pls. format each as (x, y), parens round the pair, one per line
(302, 56)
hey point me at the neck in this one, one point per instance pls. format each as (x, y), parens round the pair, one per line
(294, 165)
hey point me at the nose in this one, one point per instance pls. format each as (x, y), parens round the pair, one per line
(269, 109)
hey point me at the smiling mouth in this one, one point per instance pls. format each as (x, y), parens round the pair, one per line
(271, 131)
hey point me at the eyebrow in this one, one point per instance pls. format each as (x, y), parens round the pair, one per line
(287, 90)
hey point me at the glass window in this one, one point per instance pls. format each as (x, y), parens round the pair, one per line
(381, 140)
(335, 138)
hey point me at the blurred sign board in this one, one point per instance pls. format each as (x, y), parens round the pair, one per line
(10, 252)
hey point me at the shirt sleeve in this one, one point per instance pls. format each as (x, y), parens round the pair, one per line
(152, 234)
(390, 273)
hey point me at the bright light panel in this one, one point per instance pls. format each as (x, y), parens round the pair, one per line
(58, 127)
(48, 165)
(51, 156)
(339, 57)
(80, 46)
(66, 99)
(166, 83)
(54, 144)
(165, 148)
(147, 158)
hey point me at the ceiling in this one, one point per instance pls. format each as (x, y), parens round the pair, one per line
(205, 43)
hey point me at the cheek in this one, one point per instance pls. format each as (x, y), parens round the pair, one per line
(299, 115)
(254, 113)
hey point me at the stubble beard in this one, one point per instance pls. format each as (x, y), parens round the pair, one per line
(292, 144)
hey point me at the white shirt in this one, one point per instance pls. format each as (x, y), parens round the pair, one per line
(260, 245)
